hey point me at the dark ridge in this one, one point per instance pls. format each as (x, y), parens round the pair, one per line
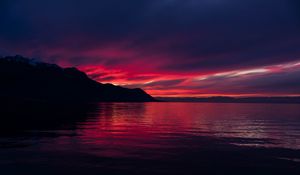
(233, 100)
(30, 79)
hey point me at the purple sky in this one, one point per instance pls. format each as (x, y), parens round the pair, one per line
(167, 47)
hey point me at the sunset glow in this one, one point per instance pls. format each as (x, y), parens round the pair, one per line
(168, 48)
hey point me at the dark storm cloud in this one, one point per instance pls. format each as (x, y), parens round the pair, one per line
(286, 82)
(164, 36)
(203, 34)
(276, 83)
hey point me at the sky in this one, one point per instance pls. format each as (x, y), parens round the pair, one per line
(171, 48)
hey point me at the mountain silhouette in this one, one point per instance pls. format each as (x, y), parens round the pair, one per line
(30, 79)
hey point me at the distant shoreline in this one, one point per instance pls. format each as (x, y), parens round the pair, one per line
(279, 100)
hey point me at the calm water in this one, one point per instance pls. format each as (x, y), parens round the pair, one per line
(160, 138)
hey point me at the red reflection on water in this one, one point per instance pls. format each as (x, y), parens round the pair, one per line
(131, 129)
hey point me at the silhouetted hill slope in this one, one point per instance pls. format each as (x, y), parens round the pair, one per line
(29, 79)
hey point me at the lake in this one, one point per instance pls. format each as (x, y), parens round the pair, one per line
(153, 138)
